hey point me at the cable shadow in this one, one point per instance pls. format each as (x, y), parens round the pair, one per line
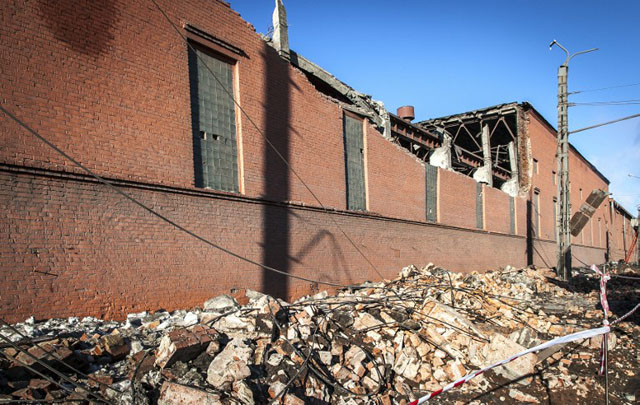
(338, 261)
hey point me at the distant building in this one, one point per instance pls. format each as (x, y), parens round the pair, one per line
(216, 135)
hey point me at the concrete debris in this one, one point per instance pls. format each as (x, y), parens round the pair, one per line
(382, 342)
(231, 365)
(220, 304)
(172, 393)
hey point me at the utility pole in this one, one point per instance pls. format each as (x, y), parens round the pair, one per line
(563, 268)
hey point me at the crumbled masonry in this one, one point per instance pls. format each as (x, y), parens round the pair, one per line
(386, 342)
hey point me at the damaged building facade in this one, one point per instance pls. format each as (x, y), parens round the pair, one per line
(255, 148)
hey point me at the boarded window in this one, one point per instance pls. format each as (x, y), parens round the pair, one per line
(213, 121)
(354, 162)
(431, 189)
(479, 206)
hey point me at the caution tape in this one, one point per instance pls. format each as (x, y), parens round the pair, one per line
(585, 334)
(604, 277)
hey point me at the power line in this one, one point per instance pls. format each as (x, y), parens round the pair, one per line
(595, 103)
(157, 214)
(605, 123)
(271, 145)
(604, 88)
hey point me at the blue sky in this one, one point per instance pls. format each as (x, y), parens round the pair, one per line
(446, 57)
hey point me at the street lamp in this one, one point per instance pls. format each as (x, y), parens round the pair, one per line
(564, 236)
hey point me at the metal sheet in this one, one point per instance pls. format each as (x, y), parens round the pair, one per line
(596, 198)
(577, 223)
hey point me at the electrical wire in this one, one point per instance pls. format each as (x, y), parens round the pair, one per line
(157, 214)
(605, 123)
(604, 103)
(99, 398)
(54, 356)
(603, 88)
(264, 137)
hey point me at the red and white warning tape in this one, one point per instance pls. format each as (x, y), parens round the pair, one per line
(585, 334)
(604, 277)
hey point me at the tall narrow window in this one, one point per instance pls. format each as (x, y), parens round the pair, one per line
(535, 166)
(213, 121)
(599, 233)
(431, 187)
(536, 213)
(555, 178)
(354, 161)
(582, 231)
(512, 215)
(555, 218)
(479, 205)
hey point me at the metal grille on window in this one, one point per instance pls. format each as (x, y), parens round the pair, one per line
(354, 160)
(431, 188)
(215, 148)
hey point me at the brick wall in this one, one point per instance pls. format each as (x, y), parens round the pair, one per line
(583, 180)
(457, 199)
(77, 239)
(496, 207)
(396, 180)
(108, 82)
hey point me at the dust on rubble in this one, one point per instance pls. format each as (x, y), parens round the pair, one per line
(386, 342)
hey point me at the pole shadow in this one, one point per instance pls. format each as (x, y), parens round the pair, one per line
(275, 219)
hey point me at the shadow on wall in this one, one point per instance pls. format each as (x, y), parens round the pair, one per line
(338, 261)
(79, 24)
(276, 223)
(532, 250)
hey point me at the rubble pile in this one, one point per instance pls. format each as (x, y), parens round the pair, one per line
(386, 342)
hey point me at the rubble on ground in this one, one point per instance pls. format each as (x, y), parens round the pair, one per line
(386, 342)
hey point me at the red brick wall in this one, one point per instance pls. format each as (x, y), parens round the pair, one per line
(108, 83)
(620, 233)
(545, 254)
(457, 199)
(396, 180)
(121, 103)
(581, 175)
(106, 257)
(496, 209)
(521, 216)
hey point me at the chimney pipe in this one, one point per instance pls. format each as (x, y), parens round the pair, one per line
(406, 113)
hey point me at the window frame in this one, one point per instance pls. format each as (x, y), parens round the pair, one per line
(215, 51)
(365, 197)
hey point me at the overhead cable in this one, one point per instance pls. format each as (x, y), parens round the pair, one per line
(155, 213)
(266, 139)
(605, 123)
(603, 88)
